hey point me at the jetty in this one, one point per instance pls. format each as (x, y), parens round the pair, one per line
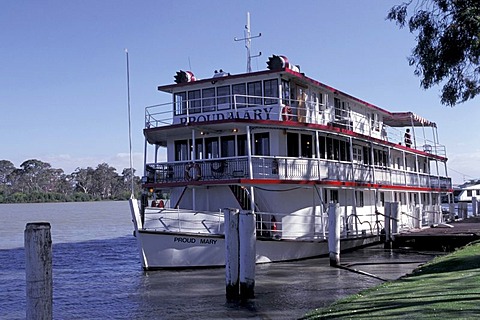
(440, 237)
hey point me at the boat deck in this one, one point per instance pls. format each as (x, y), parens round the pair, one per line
(444, 237)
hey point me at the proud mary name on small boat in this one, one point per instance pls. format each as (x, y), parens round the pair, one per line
(194, 240)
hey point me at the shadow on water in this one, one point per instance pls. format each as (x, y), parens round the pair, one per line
(101, 279)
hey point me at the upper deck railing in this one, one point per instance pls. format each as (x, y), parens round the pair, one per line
(269, 108)
(287, 168)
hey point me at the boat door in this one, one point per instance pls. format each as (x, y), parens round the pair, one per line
(301, 94)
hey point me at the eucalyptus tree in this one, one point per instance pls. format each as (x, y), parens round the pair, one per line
(83, 179)
(38, 176)
(105, 178)
(448, 45)
(6, 170)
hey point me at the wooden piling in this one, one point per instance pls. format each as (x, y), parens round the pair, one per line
(463, 207)
(394, 216)
(38, 270)
(451, 209)
(247, 238)
(334, 234)
(387, 224)
(474, 206)
(417, 222)
(231, 253)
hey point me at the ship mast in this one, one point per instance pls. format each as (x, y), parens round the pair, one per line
(248, 41)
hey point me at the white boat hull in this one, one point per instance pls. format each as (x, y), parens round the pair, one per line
(159, 249)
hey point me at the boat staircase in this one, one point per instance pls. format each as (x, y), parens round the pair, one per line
(266, 224)
(242, 196)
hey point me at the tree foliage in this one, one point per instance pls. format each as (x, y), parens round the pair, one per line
(37, 181)
(448, 45)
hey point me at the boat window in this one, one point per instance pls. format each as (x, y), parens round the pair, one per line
(180, 103)
(306, 145)
(292, 144)
(285, 92)
(262, 144)
(211, 148)
(366, 155)
(270, 89)
(242, 145)
(469, 193)
(227, 145)
(194, 101)
(338, 112)
(181, 150)
(333, 149)
(223, 97)
(322, 148)
(208, 99)
(413, 198)
(382, 198)
(403, 198)
(359, 199)
(334, 196)
(478, 192)
(425, 198)
(199, 149)
(321, 102)
(400, 197)
(239, 91)
(380, 158)
(254, 90)
(338, 150)
(374, 122)
(357, 154)
(344, 150)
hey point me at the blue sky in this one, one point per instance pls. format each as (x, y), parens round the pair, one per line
(63, 91)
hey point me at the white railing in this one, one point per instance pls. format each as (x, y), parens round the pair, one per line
(175, 220)
(276, 226)
(287, 168)
(271, 108)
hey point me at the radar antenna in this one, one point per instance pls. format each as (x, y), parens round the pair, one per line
(248, 39)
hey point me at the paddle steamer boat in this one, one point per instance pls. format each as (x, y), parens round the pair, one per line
(283, 146)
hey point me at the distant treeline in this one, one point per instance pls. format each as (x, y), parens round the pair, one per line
(37, 181)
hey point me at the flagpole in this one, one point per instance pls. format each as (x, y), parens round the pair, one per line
(129, 126)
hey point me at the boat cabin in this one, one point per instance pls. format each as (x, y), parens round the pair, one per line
(298, 129)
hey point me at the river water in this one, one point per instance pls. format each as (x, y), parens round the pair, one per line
(97, 273)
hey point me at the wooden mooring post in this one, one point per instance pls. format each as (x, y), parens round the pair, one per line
(474, 206)
(231, 253)
(38, 270)
(391, 222)
(240, 254)
(247, 254)
(334, 234)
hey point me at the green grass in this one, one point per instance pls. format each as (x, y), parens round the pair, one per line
(448, 287)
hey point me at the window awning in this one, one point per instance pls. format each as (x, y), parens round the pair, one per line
(406, 119)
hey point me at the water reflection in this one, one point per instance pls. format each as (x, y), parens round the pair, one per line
(282, 290)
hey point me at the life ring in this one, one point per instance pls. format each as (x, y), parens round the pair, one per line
(286, 113)
(193, 172)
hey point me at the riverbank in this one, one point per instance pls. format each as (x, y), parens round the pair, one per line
(446, 287)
